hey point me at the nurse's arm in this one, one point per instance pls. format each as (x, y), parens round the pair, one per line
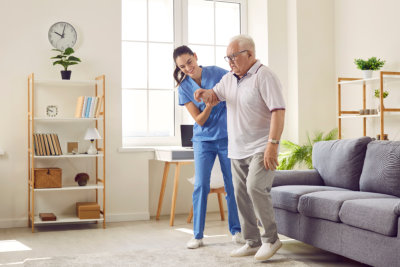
(207, 95)
(199, 117)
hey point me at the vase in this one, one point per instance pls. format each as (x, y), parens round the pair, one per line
(65, 74)
(367, 74)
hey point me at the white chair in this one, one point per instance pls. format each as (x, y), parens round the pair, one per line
(216, 186)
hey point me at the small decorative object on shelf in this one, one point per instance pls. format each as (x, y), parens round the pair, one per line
(72, 147)
(51, 111)
(82, 178)
(367, 66)
(47, 216)
(385, 137)
(65, 59)
(92, 134)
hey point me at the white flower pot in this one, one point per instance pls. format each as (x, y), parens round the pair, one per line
(367, 74)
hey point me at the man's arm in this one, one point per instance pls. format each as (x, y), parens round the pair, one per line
(275, 132)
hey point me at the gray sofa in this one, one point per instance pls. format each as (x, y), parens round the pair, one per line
(349, 204)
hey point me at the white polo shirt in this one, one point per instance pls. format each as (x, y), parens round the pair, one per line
(250, 102)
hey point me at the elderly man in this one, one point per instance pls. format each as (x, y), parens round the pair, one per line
(256, 111)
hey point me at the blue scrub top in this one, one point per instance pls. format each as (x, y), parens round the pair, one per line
(215, 126)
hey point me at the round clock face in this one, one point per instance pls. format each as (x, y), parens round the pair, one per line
(51, 111)
(62, 35)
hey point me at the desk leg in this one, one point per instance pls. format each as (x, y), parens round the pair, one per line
(174, 193)
(162, 190)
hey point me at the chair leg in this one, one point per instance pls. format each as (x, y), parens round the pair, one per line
(189, 218)
(221, 207)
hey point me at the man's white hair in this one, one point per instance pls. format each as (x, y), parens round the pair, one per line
(245, 42)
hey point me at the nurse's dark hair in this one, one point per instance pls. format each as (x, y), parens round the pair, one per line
(179, 51)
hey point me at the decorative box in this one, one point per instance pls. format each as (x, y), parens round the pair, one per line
(88, 210)
(47, 177)
(47, 216)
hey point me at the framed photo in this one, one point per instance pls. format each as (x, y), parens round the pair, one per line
(72, 147)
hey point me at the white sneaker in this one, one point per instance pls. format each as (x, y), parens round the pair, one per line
(194, 243)
(267, 250)
(238, 239)
(246, 250)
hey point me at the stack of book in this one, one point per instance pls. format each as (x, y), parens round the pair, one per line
(88, 106)
(47, 144)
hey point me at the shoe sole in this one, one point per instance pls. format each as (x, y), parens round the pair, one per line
(270, 256)
(195, 247)
(245, 254)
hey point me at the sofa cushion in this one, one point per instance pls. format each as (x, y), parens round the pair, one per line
(287, 196)
(326, 204)
(381, 171)
(376, 215)
(340, 162)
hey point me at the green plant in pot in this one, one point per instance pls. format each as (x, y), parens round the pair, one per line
(368, 66)
(65, 59)
(295, 155)
(377, 94)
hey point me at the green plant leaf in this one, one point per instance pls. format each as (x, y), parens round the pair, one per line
(297, 155)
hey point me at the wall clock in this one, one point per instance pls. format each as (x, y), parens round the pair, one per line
(51, 111)
(62, 35)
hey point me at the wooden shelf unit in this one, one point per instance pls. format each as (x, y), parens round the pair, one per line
(344, 114)
(99, 90)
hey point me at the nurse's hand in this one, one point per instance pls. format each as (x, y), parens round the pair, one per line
(198, 94)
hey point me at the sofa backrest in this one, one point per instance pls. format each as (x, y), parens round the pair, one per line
(381, 171)
(340, 162)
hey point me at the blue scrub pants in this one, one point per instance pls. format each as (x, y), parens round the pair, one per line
(204, 157)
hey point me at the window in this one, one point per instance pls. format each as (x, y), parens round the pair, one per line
(151, 29)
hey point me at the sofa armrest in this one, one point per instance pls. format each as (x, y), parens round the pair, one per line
(397, 212)
(297, 177)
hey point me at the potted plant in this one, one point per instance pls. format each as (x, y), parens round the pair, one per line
(65, 59)
(367, 66)
(378, 94)
(297, 155)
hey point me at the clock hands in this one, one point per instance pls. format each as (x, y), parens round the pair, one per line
(62, 36)
(59, 34)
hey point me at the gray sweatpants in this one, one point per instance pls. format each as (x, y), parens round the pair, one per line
(253, 184)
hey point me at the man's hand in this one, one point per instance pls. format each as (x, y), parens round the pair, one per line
(271, 156)
(207, 95)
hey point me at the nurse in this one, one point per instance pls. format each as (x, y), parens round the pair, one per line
(210, 138)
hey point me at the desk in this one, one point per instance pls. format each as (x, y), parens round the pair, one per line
(168, 160)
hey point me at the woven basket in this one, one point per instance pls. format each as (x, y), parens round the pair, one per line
(47, 177)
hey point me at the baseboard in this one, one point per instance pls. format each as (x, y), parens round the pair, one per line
(114, 217)
(126, 217)
(13, 223)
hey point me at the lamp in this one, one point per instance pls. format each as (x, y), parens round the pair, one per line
(92, 134)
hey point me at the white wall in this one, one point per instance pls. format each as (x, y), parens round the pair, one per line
(25, 49)
(366, 28)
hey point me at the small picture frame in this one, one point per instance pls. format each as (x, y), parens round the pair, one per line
(73, 147)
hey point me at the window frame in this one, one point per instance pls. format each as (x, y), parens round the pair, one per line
(180, 32)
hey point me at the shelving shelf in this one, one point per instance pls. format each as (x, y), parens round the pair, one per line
(66, 122)
(68, 188)
(62, 219)
(70, 156)
(346, 114)
(41, 119)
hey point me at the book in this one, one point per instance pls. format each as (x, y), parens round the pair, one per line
(51, 146)
(58, 144)
(98, 109)
(35, 142)
(46, 145)
(89, 101)
(79, 107)
(84, 106)
(43, 144)
(92, 106)
(53, 141)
